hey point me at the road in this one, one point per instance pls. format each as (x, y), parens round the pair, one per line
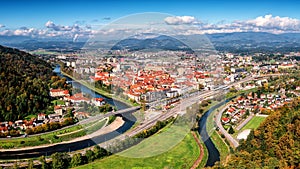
(232, 140)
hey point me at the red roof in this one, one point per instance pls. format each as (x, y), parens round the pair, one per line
(225, 119)
(57, 107)
(3, 128)
(231, 110)
(99, 99)
(59, 90)
(41, 114)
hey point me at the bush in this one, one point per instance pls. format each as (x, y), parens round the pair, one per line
(55, 137)
(29, 131)
(14, 133)
(40, 138)
(7, 145)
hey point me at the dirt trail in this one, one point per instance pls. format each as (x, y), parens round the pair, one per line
(199, 159)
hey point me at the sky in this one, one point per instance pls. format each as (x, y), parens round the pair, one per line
(44, 17)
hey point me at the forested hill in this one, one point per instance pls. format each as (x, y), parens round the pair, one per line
(24, 85)
(275, 144)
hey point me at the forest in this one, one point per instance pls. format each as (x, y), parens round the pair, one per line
(275, 144)
(25, 81)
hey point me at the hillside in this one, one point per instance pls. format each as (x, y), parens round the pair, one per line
(275, 144)
(161, 42)
(24, 85)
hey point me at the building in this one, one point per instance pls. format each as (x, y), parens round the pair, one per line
(59, 92)
(98, 101)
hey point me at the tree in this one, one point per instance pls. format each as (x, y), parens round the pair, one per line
(247, 112)
(60, 160)
(16, 165)
(99, 152)
(30, 164)
(43, 162)
(76, 160)
(90, 155)
(231, 130)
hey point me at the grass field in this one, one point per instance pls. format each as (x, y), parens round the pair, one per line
(254, 123)
(159, 143)
(181, 156)
(220, 145)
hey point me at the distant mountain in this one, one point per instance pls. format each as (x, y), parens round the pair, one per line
(231, 42)
(161, 42)
(48, 45)
(255, 42)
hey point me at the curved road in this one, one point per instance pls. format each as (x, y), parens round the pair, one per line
(46, 151)
(228, 136)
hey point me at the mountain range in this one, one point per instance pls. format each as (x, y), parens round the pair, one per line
(232, 42)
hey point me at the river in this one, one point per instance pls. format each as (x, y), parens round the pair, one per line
(84, 89)
(213, 152)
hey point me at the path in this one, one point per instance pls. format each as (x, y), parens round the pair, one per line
(262, 115)
(199, 159)
(244, 122)
(106, 118)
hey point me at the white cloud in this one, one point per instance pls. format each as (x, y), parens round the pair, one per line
(280, 22)
(179, 20)
(267, 23)
(183, 24)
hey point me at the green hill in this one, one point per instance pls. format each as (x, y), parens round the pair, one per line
(24, 83)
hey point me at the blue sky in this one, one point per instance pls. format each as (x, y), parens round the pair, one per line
(29, 17)
(31, 13)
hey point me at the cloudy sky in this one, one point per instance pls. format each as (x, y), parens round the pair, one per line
(75, 19)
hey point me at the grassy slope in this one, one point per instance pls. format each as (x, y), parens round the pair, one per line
(182, 155)
(254, 123)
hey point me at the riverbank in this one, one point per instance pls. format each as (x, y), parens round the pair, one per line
(99, 91)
